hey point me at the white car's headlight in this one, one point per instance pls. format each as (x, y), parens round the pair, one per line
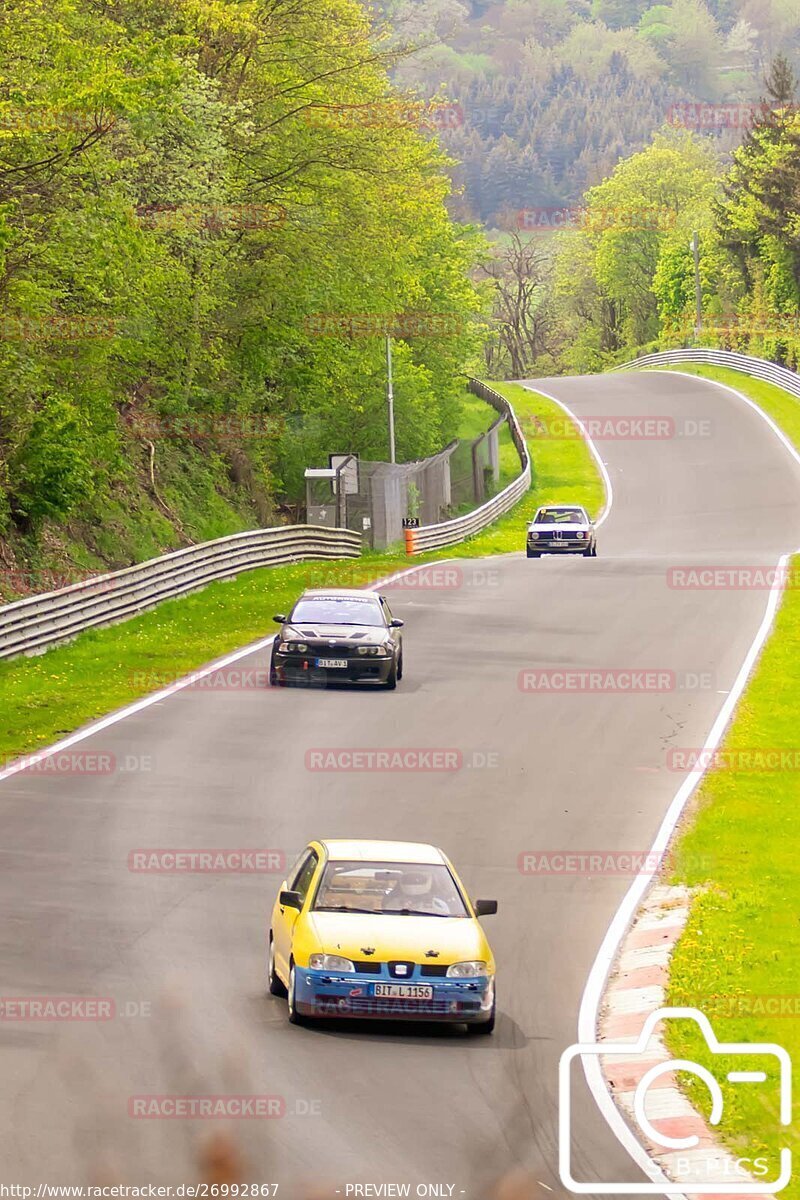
(330, 962)
(466, 970)
(533, 536)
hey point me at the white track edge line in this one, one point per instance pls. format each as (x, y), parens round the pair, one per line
(25, 762)
(609, 501)
(598, 975)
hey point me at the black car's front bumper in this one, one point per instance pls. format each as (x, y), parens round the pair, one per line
(292, 667)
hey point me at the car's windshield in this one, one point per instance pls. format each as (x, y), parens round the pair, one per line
(560, 516)
(337, 610)
(401, 889)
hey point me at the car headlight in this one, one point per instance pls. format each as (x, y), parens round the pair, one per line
(580, 535)
(289, 645)
(466, 970)
(533, 536)
(330, 962)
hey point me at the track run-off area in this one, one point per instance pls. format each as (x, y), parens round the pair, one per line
(524, 668)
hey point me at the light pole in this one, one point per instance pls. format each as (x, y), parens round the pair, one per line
(694, 246)
(390, 399)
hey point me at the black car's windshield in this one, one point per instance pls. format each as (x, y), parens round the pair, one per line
(560, 516)
(344, 610)
(401, 889)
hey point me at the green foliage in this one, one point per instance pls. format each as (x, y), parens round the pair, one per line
(183, 188)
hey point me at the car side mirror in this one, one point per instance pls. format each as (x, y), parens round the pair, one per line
(396, 623)
(291, 899)
(280, 618)
(485, 908)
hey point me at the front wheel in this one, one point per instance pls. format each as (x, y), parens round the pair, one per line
(274, 984)
(400, 667)
(534, 554)
(594, 550)
(294, 1015)
(484, 1028)
(392, 677)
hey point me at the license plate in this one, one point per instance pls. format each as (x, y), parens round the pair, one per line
(404, 991)
(331, 663)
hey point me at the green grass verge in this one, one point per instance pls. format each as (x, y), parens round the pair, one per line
(47, 697)
(738, 846)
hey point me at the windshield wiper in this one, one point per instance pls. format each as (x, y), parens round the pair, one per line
(412, 912)
(343, 908)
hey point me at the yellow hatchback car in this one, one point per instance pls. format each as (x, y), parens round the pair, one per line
(381, 929)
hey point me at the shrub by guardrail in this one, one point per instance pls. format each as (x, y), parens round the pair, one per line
(31, 625)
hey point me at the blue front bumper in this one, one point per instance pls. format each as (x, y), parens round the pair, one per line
(323, 994)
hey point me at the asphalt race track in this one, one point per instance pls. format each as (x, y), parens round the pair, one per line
(182, 955)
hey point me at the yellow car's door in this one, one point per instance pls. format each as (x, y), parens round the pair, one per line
(285, 915)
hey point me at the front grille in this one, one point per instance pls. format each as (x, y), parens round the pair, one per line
(438, 969)
(389, 1006)
(368, 967)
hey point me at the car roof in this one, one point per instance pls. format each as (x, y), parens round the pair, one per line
(363, 850)
(342, 593)
(561, 508)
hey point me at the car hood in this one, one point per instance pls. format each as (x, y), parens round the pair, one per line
(573, 527)
(363, 635)
(453, 939)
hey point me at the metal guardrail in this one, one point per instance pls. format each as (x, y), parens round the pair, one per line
(31, 625)
(450, 533)
(759, 368)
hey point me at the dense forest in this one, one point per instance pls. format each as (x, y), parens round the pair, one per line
(552, 93)
(189, 209)
(621, 278)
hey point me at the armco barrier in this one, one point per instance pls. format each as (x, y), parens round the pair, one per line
(758, 368)
(31, 625)
(449, 533)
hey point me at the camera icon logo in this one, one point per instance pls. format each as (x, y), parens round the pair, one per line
(746, 1051)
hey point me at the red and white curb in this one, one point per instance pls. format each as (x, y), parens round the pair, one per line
(637, 989)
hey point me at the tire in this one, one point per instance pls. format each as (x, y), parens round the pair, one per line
(274, 681)
(534, 554)
(400, 667)
(594, 550)
(294, 1015)
(274, 983)
(588, 553)
(392, 677)
(483, 1028)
